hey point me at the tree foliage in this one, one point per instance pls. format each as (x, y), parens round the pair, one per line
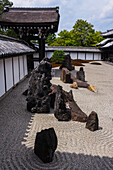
(4, 3)
(8, 32)
(82, 34)
(50, 38)
(58, 56)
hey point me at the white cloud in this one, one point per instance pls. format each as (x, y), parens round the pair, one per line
(33, 3)
(107, 9)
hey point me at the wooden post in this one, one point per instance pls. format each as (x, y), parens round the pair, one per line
(41, 49)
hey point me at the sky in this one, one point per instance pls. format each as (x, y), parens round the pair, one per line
(98, 13)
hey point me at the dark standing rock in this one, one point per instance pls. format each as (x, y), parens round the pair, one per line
(31, 103)
(65, 107)
(81, 74)
(61, 109)
(66, 76)
(53, 95)
(38, 99)
(45, 145)
(67, 63)
(76, 113)
(92, 121)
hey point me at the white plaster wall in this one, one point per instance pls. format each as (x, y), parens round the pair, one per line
(2, 81)
(9, 73)
(25, 65)
(16, 70)
(66, 53)
(49, 54)
(96, 57)
(73, 55)
(89, 56)
(99, 56)
(36, 64)
(36, 55)
(21, 67)
(81, 56)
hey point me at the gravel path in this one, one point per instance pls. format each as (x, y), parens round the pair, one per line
(78, 148)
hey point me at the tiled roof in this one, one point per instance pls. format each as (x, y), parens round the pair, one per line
(30, 15)
(103, 42)
(10, 46)
(107, 33)
(72, 49)
(108, 45)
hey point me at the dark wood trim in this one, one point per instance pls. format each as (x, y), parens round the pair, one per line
(77, 55)
(35, 59)
(5, 74)
(93, 56)
(41, 49)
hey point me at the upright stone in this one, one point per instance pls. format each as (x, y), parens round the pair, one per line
(45, 145)
(61, 109)
(38, 99)
(65, 107)
(67, 63)
(76, 113)
(92, 121)
(81, 74)
(66, 76)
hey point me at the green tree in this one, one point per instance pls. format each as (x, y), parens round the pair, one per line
(50, 39)
(82, 30)
(82, 34)
(63, 39)
(8, 32)
(58, 56)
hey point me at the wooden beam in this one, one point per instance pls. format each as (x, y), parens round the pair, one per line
(41, 48)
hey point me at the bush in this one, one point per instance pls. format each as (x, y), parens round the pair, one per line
(58, 56)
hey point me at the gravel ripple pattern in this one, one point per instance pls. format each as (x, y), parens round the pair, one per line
(78, 148)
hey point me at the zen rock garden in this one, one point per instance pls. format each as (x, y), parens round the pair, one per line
(42, 95)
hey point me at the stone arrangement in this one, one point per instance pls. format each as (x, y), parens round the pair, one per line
(67, 63)
(68, 77)
(41, 95)
(38, 99)
(45, 144)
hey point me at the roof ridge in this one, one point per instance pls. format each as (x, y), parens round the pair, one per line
(34, 8)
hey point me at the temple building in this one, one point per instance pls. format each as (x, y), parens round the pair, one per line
(31, 24)
(106, 46)
(17, 57)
